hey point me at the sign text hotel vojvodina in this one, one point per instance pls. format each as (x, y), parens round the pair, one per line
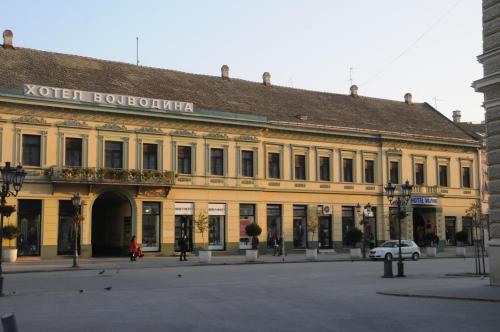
(106, 99)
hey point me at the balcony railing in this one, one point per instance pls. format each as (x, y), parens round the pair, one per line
(93, 175)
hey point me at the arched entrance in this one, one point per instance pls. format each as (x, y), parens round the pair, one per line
(418, 229)
(112, 215)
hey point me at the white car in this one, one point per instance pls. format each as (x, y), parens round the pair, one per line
(390, 250)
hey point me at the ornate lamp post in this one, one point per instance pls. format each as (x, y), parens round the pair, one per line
(401, 202)
(366, 214)
(15, 177)
(77, 219)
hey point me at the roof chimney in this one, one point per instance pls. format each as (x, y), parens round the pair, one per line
(7, 39)
(457, 116)
(266, 79)
(354, 91)
(224, 70)
(408, 98)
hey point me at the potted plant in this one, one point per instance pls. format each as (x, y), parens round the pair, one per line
(461, 238)
(10, 232)
(431, 244)
(253, 230)
(353, 236)
(312, 249)
(201, 224)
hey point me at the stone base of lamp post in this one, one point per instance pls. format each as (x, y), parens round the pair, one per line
(401, 269)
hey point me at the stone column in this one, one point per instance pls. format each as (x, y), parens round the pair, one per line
(489, 85)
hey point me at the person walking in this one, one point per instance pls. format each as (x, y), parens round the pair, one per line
(276, 244)
(183, 244)
(135, 251)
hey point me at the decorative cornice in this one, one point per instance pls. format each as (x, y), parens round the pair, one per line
(246, 138)
(72, 123)
(149, 130)
(112, 126)
(183, 132)
(216, 135)
(30, 120)
(394, 151)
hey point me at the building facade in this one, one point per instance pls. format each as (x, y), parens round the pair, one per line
(149, 149)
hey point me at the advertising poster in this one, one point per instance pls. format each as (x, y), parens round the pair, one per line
(245, 240)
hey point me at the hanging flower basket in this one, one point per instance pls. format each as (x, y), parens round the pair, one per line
(7, 210)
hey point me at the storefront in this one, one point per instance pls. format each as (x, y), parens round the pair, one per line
(184, 224)
(347, 223)
(450, 230)
(151, 226)
(216, 226)
(424, 219)
(247, 216)
(325, 227)
(29, 216)
(274, 224)
(299, 226)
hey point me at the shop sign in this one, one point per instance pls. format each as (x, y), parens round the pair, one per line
(424, 200)
(325, 210)
(216, 209)
(106, 99)
(184, 209)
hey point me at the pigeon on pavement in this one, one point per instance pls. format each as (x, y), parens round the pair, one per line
(108, 288)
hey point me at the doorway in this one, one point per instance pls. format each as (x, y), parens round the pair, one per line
(111, 225)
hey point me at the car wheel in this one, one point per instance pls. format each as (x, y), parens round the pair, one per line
(415, 256)
(388, 257)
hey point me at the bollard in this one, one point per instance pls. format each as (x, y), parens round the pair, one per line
(9, 323)
(387, 269)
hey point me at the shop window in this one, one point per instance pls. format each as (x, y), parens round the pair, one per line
(184, 159)
(299, 226)
(468, 228)
(419, 174)
(450, 228)
(31, 150)
(114, 154)
(247, 216)
(273, 224)
(324, 168)
(216, 226)
(29, 218)
(66, 229)
(324, 230)
(347, 223)
(300, 167)
(150, 156)
(347, 169)
(274, 165)
(151, 226)
(394, 172)
(443, 175)
(247, 163)
(183, 225)
(466, 177)
(217, 161)
(369, 171)
(73, 152)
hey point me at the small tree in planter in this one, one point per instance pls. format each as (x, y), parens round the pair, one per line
(430, 244)
(461, 237)
(312, 229)
(201, 224)
(253, 230)
(10, 232)
(353, 237)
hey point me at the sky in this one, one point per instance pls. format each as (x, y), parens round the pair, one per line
(425, 47)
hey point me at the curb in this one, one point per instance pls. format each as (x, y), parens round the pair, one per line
(441, 297)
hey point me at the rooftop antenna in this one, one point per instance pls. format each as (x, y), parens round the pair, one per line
(351, 79)
(436, 99)
(137, 49)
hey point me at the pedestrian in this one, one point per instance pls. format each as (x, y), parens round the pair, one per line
(276, 244)
(135, 251)
(183, 244)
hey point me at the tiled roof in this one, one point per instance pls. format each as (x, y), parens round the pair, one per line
(19, 66)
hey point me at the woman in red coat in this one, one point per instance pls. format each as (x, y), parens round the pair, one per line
(134, 249)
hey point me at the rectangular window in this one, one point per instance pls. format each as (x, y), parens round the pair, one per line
(150, 156)
(419, 174)
(325, 232)
(247, 163)
(29, 216)
(73, 152)
(151, 226)
(324, 168)
(466, 177)
(31, 150)
(216, 226)
(274, 165)
(450, 227)
(347, 169)
(114, 154)
(66, 229)
(299, 226)
(183, 225)
(247, 216)
(394, 171)
(347, 223)
(273, 224)
(443, 175)
(369, 171)
(184, 159)
(300, 167)
(217, 161)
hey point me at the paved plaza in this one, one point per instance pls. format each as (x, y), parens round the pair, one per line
(319, 296)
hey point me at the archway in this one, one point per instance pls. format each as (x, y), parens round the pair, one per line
(112, 215)
(418, 228)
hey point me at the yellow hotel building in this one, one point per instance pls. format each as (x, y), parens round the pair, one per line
(148, 149)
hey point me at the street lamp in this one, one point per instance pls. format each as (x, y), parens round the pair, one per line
(15, 177)
(401, 202)
(367, 213)
(77, 204)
